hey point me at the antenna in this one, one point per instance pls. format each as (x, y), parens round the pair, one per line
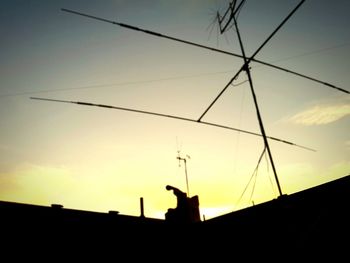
(156, 34)
(228, 20)
(232, 11)
(185, 164)
(172, 117)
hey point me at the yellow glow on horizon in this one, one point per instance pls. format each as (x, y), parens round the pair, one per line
(211, 212)
(47, 185)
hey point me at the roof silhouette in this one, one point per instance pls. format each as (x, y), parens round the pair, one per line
(309, 221)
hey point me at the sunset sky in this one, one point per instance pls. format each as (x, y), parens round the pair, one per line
(100, 159)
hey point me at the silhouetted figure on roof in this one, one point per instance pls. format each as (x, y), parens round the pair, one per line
(187, 209)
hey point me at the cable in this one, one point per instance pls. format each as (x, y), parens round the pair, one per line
(239, 84)
(268, 174)
(184, 76)
(112, 84)
(311, 52)
(253, 174)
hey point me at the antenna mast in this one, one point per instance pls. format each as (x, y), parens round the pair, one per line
(232, 11)
(185, 162)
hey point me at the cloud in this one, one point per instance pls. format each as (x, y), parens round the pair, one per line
(322, 113)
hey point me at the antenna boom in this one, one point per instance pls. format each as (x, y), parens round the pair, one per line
(252, 59)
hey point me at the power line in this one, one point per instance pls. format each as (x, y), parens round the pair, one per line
(312, 52)
(113, 84)
(308, 53)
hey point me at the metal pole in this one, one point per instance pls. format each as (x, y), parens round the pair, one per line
(141, 207)
(188, 189)
(185, 162)
(246, 68)
(248, 60)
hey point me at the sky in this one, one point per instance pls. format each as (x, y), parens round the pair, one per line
(99, 159)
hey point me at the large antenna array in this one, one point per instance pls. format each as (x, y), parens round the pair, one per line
(228, 20)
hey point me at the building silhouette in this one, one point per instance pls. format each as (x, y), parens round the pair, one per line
(311, 221)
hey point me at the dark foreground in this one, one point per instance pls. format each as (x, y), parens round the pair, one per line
(307, 224)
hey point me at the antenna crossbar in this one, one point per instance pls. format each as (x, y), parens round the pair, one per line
(252, 59)
(173, 117)
(248, 60)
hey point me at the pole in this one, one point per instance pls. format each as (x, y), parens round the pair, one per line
(262, 129)
(141, 208)
(188, 190)
(248, 60)
(185, 162)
